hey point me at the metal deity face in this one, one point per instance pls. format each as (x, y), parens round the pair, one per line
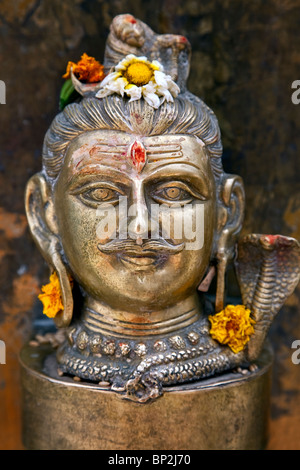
(136, 217)
(138, 210)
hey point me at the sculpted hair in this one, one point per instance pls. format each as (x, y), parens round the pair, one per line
(187, 115)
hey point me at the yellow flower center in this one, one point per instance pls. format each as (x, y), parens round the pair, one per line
(139, 73)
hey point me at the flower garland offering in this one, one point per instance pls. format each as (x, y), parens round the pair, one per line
(87, 70)
(232, 326)
(51, 297)
(136, 78)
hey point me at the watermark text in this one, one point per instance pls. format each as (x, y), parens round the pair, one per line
(176, 222)
(296, 354)
(2, 92)
(2, 352)
(296, 94)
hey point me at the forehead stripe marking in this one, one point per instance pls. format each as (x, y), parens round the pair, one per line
(164, 152)
(164, 148)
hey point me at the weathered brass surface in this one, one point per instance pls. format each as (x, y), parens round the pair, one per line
(230, 412)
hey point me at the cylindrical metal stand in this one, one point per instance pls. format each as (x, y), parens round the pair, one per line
(230, 412)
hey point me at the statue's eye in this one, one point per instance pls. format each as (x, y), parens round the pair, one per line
(95, 195)
(101, 194)
(177, 192)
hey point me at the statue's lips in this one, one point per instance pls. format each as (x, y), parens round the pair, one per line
(152, 253)
(140, 260)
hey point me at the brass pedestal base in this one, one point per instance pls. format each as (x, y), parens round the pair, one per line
(230, 412)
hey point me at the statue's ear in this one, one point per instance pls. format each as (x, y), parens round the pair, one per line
(229, 224)
(42, 223)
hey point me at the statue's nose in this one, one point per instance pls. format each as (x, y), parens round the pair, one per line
(138, 226)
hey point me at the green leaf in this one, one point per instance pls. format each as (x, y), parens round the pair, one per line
(68, 94)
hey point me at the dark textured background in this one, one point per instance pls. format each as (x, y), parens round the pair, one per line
(246, 54)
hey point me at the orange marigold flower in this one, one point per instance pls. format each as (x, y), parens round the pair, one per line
(51, 297)
(87, 70)
(232, 326)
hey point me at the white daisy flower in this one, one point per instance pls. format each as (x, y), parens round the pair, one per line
(136, 78)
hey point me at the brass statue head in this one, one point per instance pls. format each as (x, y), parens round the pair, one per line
(133, 204)
(87, 161)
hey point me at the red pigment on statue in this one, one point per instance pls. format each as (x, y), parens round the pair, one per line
(138, 154)
(272, 238)
(93, 150)
(131, 19)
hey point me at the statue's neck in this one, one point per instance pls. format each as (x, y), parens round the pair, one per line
(101, 318)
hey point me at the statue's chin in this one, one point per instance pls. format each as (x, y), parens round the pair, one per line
(141, 299)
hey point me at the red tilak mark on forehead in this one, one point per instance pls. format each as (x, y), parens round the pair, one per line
(137, 153)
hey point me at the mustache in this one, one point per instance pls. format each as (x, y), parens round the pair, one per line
(148, 247)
